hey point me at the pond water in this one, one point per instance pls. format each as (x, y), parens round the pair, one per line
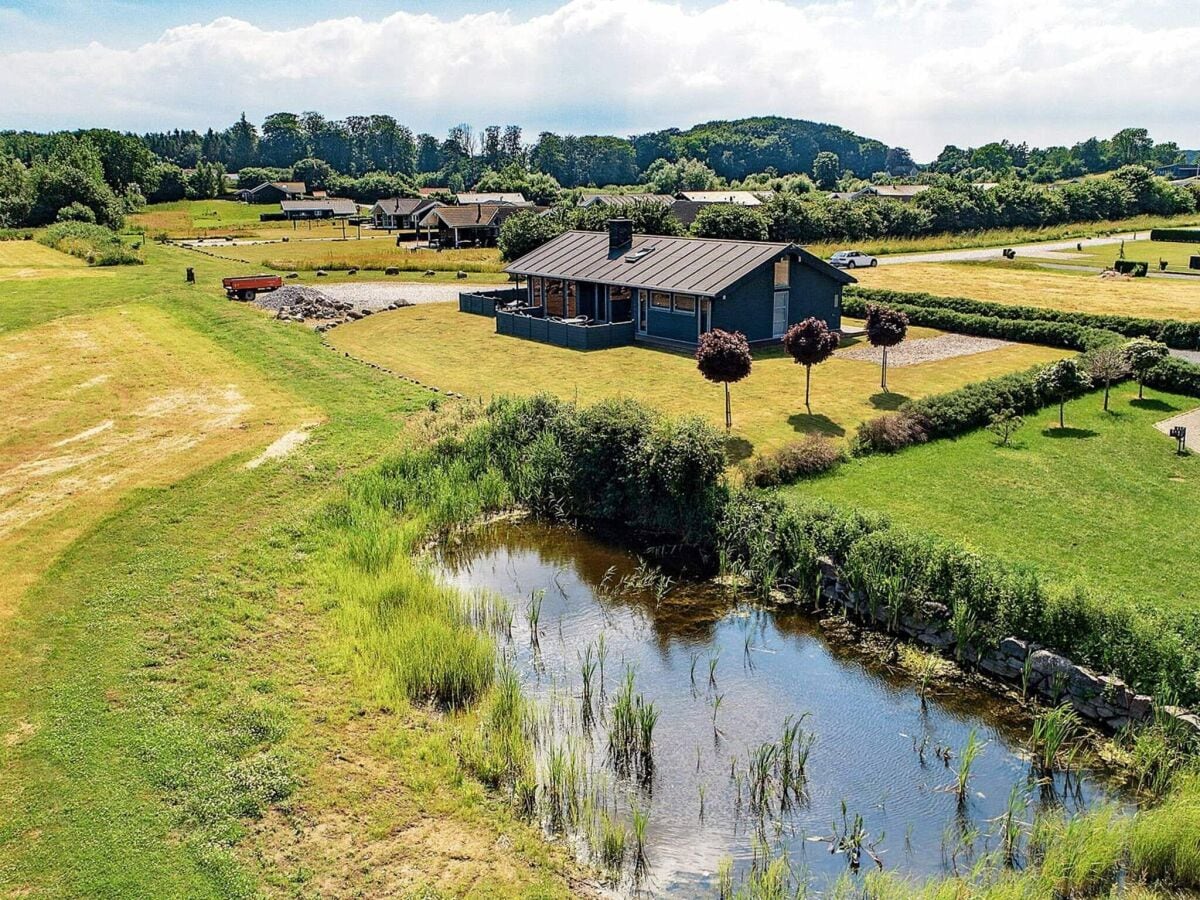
(877, 750)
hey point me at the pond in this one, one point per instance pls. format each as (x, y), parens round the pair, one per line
(769, 739)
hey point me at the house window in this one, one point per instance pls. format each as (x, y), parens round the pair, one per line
(554, 297)
(620, 304)
(536, 293)
(660, 299)
(783, 271)
(685, 303)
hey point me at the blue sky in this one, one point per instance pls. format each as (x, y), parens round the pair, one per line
(913, 73)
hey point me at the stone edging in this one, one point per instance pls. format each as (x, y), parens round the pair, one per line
(1102, 699)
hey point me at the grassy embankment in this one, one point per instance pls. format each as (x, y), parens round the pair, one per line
(181, 716)
(439, 346)
(1167, 298)
(998, 237)
(1105, 501)
(1176, 254)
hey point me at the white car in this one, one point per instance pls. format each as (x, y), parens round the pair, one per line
(852, 259)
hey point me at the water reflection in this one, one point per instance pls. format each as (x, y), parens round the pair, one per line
(724, 677)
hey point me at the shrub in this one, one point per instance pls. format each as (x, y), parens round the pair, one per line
(1180, 335)
(1175, 375)
(809, 456)
(809, 343)
(1178, 235)
(724, 357)
(1143, 355)
(97, 245)
(1130, 267)
(890, 432)
(76, 212)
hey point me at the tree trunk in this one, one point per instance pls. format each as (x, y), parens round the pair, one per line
(728, 416)
(807, 382)
(883, 376)
(1062, 401)
(1106, 386)
(1141, 385)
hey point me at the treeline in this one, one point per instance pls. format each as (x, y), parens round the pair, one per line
(1129, 146)
(797, 213)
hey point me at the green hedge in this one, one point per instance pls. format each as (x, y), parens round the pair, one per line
(1176, 235)
(1028, 331)
(1179, 335)
(1176, 376)
(901, 569)
(1132, 267)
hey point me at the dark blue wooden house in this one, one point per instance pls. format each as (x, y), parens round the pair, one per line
(594, 289)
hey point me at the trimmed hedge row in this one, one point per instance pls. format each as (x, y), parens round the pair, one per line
(905, 570)
(1028, 331)
(1180, 335)
(1176, 235)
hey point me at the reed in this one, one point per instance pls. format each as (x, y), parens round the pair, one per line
(966, 760)
(640, 819)
(631, 732)
(1052, 731)
(613, 838)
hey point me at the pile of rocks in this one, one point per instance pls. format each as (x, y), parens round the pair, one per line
(296, 303)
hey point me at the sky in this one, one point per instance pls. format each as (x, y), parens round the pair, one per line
(913, 73)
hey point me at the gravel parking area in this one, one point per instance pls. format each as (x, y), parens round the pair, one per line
(375, 295)
(923, 350)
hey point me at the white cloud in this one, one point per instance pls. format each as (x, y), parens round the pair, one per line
(919, 73)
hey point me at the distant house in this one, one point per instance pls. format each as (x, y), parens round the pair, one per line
(587, 289)
(401, 212)
(616, 200)
(273, 192)
(512, 198)
(330, 208)
(430, 191)
(686, 211)
(739, 198)
(1178, 171)
(902, 192)
(475, 225)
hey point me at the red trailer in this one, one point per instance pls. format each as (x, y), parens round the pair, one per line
(247, 287)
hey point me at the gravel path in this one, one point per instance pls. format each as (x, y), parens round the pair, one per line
(375, 295)
(923, 350)
(1192, 356)
(1189, 420)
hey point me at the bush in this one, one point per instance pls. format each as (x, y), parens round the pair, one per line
(1131, 267)
(1176, 376)
(1180, 335)
(96, 244)
(889, 433)
(809, 456)
(1177, 235)
(76, 212)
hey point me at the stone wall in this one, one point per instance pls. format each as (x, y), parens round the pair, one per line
(1102, 699)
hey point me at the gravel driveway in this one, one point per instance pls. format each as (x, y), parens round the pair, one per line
(923, 350)
(376, 295)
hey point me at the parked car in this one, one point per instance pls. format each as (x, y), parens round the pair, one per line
(852, 259)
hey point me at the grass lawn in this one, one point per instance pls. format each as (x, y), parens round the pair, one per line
(1000, 236)
(375, 253)
(192, 218)
(1021, 285)
(1176, 254)
(177, 716)
(438, 345)
(1107, 501)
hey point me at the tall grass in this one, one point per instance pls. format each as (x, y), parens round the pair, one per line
(1165, 842)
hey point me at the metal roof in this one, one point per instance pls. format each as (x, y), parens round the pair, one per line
(404, 206)
(335, 205)
(491, 197)
(623, 199)
(687, 265)
(738, 198)
(476, 215)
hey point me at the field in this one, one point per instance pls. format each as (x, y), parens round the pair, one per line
(1022, 285)
(1107, 501)
(437, 345)
(179, 718)
(1176, 254)
(374, 254)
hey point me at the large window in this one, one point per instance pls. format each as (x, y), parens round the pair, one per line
(620, 304)
(554, 297)
(685, 303)
(660, 299)
(783, 271)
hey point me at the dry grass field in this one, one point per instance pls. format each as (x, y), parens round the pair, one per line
(438, 345)
(99, 404)
(1020, 285)
(374, 254)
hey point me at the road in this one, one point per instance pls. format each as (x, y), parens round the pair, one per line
(1043, 250)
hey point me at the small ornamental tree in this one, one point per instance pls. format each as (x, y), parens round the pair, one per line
(1004, 424)
(724, 357)
(1143, 355)
(886, 327)
(809, 343)
(1106, 365)
(1062, 379)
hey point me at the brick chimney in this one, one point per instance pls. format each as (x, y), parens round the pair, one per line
(620, 234)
